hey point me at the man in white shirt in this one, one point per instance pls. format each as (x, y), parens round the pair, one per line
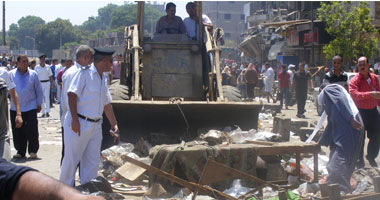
(83, 59)
(268, 82)
(10, 85)
(191, 22)
(58, 68)
(45, 75)
(88, 97)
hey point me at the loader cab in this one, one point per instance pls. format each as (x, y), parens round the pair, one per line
(172, 64)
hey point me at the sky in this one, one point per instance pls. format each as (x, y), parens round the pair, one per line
(76, 11)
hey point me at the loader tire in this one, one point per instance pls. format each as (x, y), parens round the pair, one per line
(119, 92)
(232, 93)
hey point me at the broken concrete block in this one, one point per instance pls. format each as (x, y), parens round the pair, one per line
(305, 132)
(296, 124)
(281, 125)
(272, 106)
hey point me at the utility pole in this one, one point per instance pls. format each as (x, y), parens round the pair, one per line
(4, 43)
(312, 33)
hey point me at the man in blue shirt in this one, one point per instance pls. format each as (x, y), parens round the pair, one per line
(28, 87)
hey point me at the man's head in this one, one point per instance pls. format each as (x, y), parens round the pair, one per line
(55, 62)
(170, 9)
(233, 68)
(301, 67)
(22, 62)
(266, 65)
(363, 66)
(68, 63)
(119, 57)
(84, 55)
(337, 62)
(42, 58)
(284, 67)
(103, 59)
(33, 64)
(190, 9)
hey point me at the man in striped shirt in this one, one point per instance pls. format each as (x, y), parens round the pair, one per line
(365, 91)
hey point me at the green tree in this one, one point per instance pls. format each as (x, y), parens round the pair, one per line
(104, 15)
(351, 27)
(48, 36)
(25, 27)
(92, 24)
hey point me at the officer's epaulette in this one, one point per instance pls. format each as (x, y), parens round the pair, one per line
(85, 67)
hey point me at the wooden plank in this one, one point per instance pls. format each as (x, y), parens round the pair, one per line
(376, 184)
(260, 142)
(334, 192)
(298, 164)
(367, 197)
(282, 195)
(192, 186)
(130, 171)
(288, 149)
(215, 172)
(324, 189)
(315, 168)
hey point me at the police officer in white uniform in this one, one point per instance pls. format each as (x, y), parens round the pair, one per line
(88, 97)
(84, 56)
(45, 75)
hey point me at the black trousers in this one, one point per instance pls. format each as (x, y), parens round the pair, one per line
(27, 134)
(301, 101)
(251, 90)
(371, 120)
(63, 146)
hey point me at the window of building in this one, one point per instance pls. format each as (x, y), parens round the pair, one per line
(227, 16)
(227, 35)
(242, 17)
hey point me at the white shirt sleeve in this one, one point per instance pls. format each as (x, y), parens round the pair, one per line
(49, 71)
(4, 74)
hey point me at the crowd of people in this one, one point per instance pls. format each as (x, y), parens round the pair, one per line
(80, 89)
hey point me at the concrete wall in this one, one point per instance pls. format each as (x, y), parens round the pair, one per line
(219, 13)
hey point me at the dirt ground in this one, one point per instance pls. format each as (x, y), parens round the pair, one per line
(51, 142)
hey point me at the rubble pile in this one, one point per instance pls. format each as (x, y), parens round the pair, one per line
(127, 179)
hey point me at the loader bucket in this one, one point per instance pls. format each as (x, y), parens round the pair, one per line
(138, 119)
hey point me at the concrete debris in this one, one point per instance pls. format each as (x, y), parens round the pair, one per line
(214, 137)
(364, 178)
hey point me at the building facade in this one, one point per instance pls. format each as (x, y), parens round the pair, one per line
(228, 15)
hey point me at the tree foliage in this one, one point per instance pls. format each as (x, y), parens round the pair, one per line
(351, 27)
(111, 18)
(20, 32)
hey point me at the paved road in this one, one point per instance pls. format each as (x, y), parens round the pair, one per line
(50, 145)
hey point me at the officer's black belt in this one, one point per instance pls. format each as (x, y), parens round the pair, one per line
(44, 81)
(88, 119)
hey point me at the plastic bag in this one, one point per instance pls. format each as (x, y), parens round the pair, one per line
(113, 154)
(237, 189)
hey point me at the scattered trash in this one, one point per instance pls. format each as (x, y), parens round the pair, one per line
(114, 153)
(236, 189)
(95, 185)
(214, 137)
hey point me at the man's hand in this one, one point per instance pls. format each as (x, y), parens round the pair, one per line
(375, 94)
(18, 121)
(38, 109)
(75, 126)
(115, 133)
(356, 124)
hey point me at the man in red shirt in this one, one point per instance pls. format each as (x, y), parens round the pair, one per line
(365, 91)
(284, 80)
